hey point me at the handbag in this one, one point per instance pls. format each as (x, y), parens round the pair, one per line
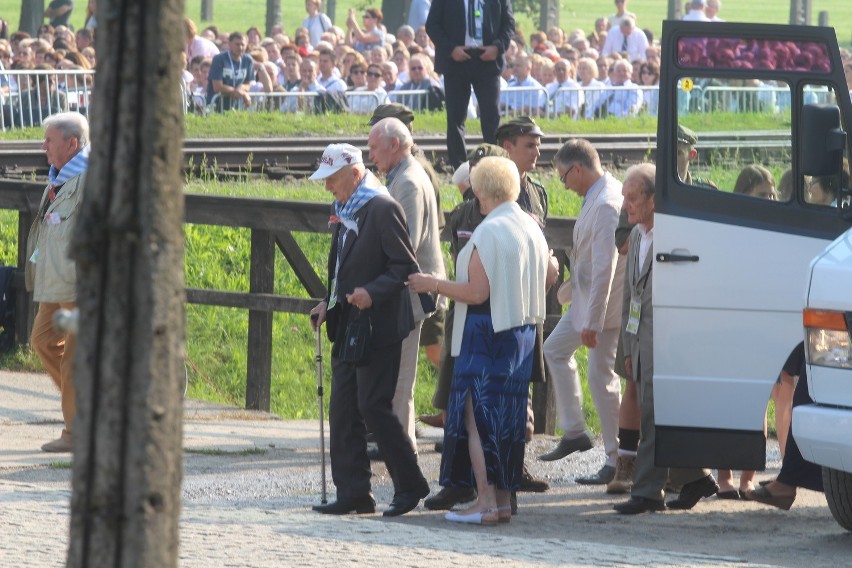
(356, 343)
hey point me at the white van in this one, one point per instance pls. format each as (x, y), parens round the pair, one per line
(730, 265)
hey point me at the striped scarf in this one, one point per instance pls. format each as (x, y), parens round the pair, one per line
(369, 187)
(75, 166)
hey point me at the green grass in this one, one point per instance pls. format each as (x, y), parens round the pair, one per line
(60, 465)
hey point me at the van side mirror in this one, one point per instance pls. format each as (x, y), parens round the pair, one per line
(821, 141)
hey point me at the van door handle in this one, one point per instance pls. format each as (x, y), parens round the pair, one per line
(671, 257)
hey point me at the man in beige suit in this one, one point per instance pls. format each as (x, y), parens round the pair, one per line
(390, 144)
(594, 316)
(638, 339)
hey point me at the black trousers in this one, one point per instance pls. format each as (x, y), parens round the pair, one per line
(360, 399)
(795, 470)
(458, 80)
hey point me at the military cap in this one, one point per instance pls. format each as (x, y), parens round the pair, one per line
(484, 151)
(392, 110)
(517, 127)
(686, 135)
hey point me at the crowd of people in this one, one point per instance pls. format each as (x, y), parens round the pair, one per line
(611, 70)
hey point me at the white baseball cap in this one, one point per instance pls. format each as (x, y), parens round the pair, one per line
(335, 157)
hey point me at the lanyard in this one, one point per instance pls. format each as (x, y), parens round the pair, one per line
(238, 71)
(637, 270)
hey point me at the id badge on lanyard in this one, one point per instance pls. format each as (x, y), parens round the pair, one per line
(633, 316)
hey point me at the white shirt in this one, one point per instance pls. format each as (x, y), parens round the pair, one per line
(637, 43)
(646, 242)
(696, 16)
(468, 40)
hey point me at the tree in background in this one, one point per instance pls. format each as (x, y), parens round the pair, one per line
(126, 485)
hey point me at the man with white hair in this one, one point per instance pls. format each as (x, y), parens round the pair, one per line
(390, 144)
(50, 274)
(368, 264)
(637, 329)
(711, 10)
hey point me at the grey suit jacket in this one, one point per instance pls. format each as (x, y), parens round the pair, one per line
(638, 284)
(412, 189)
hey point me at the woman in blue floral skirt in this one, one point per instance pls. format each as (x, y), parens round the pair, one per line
(499, 292)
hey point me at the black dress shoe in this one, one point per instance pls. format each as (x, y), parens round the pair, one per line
(405, 502)
(566, 447)
(449, 497)
(638, 505)
(693, 492)
(532, 485)
(603, 476)
(362, 506)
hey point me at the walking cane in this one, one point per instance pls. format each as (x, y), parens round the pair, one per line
(315, 317)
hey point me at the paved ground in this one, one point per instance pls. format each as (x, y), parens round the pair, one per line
(252, 509)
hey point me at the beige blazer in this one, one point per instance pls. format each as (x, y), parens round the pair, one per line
(594, 260)
(49, 273)
(412, 189)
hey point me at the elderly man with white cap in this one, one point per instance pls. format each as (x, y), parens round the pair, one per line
(367, 305)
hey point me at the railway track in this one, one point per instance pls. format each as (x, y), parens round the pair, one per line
(276, 158)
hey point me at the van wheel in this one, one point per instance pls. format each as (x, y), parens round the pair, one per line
(838, 493)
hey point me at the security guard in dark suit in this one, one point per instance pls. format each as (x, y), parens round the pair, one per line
(469, 52)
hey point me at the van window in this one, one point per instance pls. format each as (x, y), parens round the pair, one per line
(823, 191)
(734, 135)
(753, 53)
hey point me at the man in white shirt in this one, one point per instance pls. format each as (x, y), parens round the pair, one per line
(307, 84)
(626, 38)
(695, 12)
(627, 100)
(327, 79)
(564, 101)
(527, 102)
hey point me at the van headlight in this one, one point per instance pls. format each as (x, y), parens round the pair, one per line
(828, 340)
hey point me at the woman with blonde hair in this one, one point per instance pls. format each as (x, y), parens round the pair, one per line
(501, 278)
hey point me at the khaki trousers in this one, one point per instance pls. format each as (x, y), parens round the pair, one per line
(56, 351)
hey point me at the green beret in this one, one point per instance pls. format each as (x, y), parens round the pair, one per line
(485, 150)
(392, 110)
(686, 135)
(517, 127)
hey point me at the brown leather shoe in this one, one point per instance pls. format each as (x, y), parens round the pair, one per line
(623, 480)
(63, 444)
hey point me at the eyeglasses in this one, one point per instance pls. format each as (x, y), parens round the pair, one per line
(367, 17)
(568, 171)
(373, 74)
(415, 69)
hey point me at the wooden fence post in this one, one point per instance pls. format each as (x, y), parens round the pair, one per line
(261, 281)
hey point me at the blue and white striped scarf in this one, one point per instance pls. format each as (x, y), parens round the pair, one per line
(369, 187)
(75, 166)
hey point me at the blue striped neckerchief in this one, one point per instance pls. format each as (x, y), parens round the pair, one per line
(369, 187)
(75, 166)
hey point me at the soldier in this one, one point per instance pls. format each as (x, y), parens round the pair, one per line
(686, 152)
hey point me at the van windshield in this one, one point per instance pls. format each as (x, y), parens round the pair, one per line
(708, 52)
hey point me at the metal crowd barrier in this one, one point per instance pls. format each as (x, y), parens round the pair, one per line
(34, 95)
(415, 99)
(360, 102)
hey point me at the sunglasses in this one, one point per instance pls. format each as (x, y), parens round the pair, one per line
(373, 74)
(357, 72)
(415, 69)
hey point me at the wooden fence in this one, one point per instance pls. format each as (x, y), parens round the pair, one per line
(272, 223)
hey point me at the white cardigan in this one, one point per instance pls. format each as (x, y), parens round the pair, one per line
(514, 253)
